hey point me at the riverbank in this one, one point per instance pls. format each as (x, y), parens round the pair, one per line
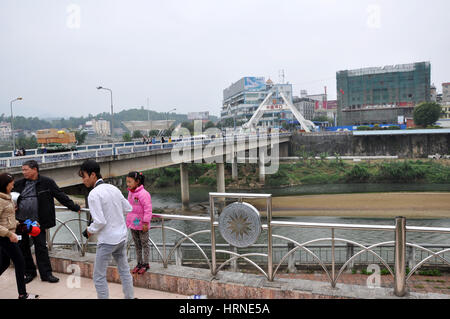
(309, 171)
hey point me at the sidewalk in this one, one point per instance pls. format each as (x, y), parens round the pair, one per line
(62, 290)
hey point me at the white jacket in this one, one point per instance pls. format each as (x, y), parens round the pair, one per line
(107, 206)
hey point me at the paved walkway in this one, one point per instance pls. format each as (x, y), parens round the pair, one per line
(62, 290)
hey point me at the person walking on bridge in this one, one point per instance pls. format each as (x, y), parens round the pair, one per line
(36, 202)
(107, 206)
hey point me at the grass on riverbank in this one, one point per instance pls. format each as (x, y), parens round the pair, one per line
(312, 171)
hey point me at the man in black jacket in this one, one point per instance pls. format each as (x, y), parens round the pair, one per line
(36, 202)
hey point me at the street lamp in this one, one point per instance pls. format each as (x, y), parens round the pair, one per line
(12, 127)
(167, 117)
(112, 110)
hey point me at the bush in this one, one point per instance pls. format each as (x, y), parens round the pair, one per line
(206, 180)
(400, 172)
(358, 173)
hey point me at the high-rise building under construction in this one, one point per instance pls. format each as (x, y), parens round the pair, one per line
(381, 95)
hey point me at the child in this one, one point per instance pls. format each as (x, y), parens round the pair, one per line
(138, 220)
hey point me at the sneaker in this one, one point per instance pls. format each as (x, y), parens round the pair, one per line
(29, 296)
(136, 269)
(143, 269)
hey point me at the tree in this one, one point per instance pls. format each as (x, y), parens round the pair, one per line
(126, 137)
(26, 142)
(80, 136)
(426, 113)
(137, 134)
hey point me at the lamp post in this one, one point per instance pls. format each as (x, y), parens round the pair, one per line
(12, 127)
(167, 117)
(112, 110)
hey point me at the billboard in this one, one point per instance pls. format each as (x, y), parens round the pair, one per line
(198, 115)
(252, 83)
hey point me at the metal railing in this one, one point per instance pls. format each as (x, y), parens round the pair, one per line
(400, 229)
(102, 150)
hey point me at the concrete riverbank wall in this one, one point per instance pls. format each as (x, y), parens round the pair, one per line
(347, 144)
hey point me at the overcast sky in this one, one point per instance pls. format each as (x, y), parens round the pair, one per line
(182, 53)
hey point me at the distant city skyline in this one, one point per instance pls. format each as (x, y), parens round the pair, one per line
(183, 54)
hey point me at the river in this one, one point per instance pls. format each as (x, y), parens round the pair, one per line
(170, 198)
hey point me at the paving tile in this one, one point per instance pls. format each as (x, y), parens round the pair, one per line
(63, 290)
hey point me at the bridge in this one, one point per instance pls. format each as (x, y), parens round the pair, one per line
(118, 159)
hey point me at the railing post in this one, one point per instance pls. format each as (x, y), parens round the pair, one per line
(291, 259)
(269, 240)
(350, 253)
(234, 264)
(178, 256)
(47, 238)
(213, 236)
(163, 235)
(333, 283)
(411, 253)
(400, 257)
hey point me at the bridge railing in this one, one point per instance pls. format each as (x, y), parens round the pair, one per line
(102, 150)
(168, 250)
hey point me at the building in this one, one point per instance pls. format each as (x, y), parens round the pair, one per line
(147, 126)
(242, 98)
(306, 106)
(99, 127)
(433, 94)
(381, 95)
(5, 130)
(446, 93)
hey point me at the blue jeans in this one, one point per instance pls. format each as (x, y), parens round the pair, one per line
(102, 258)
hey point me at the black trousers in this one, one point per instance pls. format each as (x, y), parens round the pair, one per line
(11, 251)
(41, 252)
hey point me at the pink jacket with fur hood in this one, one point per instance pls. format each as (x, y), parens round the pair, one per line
(141, 202)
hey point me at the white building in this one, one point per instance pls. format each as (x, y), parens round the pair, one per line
(100, 127)
(5, 130)
(446, 93)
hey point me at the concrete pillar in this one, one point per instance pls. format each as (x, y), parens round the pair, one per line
(284, 149)
(220, 177)
(184, 177)
(220, 167)
(234, 168)
(262, 169)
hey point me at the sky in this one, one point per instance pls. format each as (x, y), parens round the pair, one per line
(166, 54)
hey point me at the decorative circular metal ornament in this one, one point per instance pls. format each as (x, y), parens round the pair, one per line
(240, 224)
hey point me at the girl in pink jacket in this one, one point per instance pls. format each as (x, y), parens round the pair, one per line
(138, 220)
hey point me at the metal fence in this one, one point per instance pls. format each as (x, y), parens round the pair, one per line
(332, 252)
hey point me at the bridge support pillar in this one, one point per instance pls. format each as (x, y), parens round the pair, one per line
(184, 178)
(220, 177)
(284, 149)
(262, 169)
(234, 168)
(221, 182)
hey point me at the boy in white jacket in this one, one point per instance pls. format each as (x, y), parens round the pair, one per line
(107, 206)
